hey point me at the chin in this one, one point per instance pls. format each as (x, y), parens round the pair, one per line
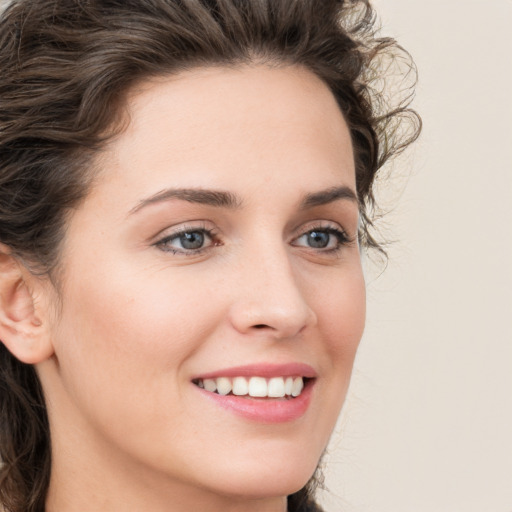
(269, 487)
(266, 479)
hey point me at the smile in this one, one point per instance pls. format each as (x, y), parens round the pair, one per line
(261, 392)
(256, 387)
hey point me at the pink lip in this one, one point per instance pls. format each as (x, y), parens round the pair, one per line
(263, 370)
(264, 410)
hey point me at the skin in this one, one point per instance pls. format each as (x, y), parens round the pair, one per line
(137, 320)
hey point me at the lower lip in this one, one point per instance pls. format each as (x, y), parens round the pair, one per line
(264, 410)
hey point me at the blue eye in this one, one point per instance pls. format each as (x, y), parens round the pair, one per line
(187, 241)
(192, 240)
(323, 239)
(318, 239)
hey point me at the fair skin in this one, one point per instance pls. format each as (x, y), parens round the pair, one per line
(270, 275)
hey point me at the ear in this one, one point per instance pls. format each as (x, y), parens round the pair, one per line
(23, 323)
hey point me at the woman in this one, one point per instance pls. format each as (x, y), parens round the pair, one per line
(185, 190)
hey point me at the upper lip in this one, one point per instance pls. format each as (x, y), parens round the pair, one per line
(267, 370)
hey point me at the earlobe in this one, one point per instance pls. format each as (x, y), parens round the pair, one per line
(22, 327)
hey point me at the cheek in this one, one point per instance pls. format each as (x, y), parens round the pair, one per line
(340, 307)
(123, 337)
(342, 313)
(342, 325)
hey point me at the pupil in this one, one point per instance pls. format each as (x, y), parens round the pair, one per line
(193, 240)
(318, 239)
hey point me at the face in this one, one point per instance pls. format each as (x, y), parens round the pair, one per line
(214, 263)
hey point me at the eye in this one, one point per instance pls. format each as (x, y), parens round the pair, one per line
(191, 240)
(323, 238)
(187, 241)
(318, 239)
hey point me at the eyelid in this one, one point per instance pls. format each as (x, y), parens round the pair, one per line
(333, 228)
(192, 225)
(166, 235)
(321, 225)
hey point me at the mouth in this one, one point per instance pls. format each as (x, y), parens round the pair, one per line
(261, 393)
(256, 387)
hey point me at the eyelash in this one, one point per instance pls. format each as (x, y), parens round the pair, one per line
(341, 237)
(211, 234)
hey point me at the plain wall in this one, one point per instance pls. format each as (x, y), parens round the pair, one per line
(428, 423)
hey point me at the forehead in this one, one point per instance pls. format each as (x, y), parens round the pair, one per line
(214, 126)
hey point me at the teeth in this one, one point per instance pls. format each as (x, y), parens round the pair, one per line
(288, 386)
(223, 386)
(210, 385)
(276, 387)
(240, 386)
(298, 386)
(257, 387)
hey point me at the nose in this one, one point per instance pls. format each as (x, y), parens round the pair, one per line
(269, 300)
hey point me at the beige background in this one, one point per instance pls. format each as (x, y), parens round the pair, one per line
(428, 425)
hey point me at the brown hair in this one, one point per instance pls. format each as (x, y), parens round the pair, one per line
(66, 66)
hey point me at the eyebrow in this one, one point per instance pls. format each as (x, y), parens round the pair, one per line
(224, 199)
(218, 198)
(328, 196)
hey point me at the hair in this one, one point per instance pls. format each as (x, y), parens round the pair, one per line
(66, 68)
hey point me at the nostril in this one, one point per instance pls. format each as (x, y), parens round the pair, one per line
(260, 326)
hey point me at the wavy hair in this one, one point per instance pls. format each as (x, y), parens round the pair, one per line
(66, 67)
